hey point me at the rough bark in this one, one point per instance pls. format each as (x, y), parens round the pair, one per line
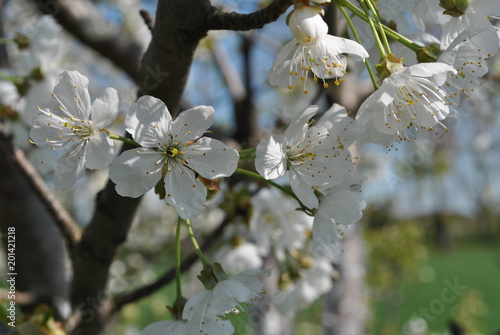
(40, 261)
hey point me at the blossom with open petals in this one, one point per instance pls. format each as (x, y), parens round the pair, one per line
(77, 128)
(312, 50)
(325, 59)
(410, 98)
(313, 155)
(172, 151)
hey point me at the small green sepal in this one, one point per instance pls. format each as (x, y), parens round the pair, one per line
(211, 275)
(388, 65)
(429, 54)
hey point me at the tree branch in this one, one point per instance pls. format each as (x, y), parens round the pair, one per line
(148, 20)
(82, 19)
(64, 221)
(220, 20)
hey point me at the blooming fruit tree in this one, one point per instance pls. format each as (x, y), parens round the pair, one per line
(301, 178)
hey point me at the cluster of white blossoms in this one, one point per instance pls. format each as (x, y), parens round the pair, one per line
(416, 97)
(310, 161)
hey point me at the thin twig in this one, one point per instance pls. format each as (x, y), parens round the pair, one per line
(148, 19)
(219, 20)
(169, 275)
(64, 221)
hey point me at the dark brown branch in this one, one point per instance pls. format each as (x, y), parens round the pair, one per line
(219, 20)
(169, 275)
(64, 221)
(148, 20)
(81, 19)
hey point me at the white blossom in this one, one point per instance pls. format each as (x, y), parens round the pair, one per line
(410, 98)
(313, 156)
(312, 50)
(172, 151)
(77, 128)
(245, 287)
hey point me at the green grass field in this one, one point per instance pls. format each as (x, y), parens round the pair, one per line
(461, 285)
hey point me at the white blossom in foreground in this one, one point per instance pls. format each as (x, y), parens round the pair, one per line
(312, 50)
(341, 206)
(77, 128)
(410, 98)
(172, 150)
(245, 287)
(312, 155)
(325, 59)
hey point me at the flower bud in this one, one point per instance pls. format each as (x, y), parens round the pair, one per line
(307, 25)
(455, 8)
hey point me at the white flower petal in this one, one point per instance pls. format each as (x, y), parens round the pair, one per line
(184, 192)
(136, 171)
(69, 168)
(297, 127)
(105, 108)
(211, 158)
(307, 25)
(209, 325)
(192, 123)
(100, 151)
(72, 92)
(149, 122)
(270, 159)
(326, 242)
(281, 73)
(437, 72)
(227, 294)
(342, 204)
(46, 130)
(169, 327)
(303, 190)
(197, 305)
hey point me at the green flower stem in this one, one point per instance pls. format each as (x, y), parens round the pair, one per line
(381, 50)
(246, 151)
(370, 5)
(389, 32)
(278, 186)
(197, 249)
(124, 139)
(4, 40)
(178, 272)
(356, 37)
